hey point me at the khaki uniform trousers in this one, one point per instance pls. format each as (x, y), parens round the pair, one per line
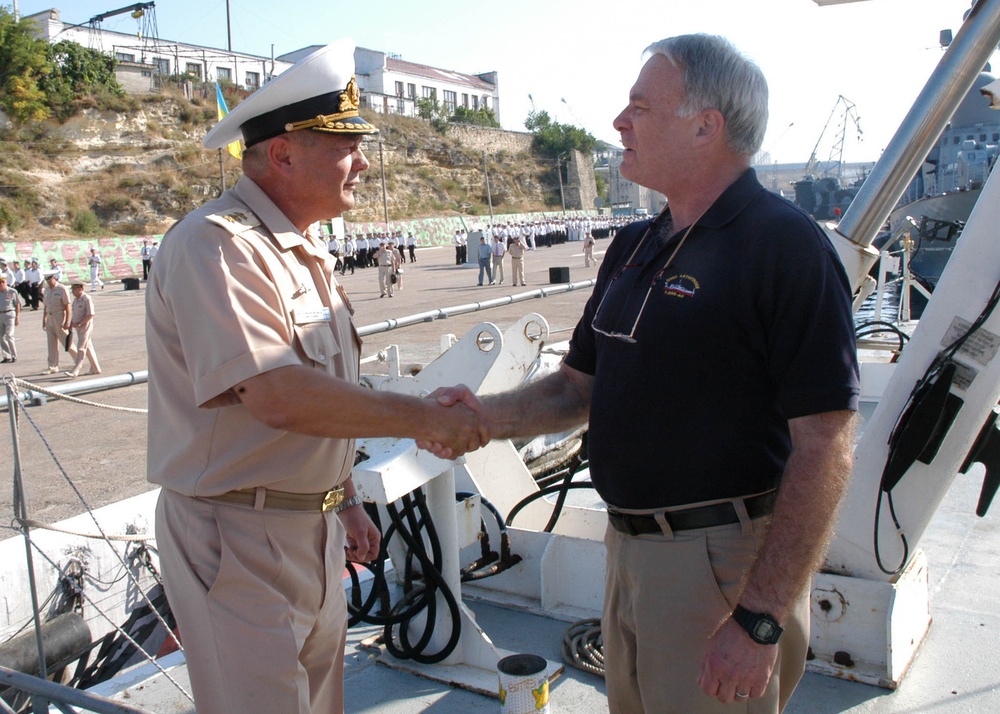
(7, 345)
(56, 338)
(497, 268)
(664, 598)
(85, 349)
(518, 265)
(384, 279)
(259, 604)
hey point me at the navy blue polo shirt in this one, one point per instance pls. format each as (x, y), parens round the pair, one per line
(748, 327)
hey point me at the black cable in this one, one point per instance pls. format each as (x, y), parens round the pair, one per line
(899, 530)
(876, 327)
(520, 505)
(431, 584)
(490, 563)
(945, 356)
(423, 582)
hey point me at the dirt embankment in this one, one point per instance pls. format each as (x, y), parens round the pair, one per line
(107, 173)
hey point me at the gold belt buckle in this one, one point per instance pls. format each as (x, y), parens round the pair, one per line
(332, 499)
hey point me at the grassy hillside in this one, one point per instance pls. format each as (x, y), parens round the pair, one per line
(137, 169)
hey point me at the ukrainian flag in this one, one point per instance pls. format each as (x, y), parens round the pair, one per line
(220, 103)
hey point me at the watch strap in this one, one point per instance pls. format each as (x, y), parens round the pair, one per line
(351, 502)
(762, 628)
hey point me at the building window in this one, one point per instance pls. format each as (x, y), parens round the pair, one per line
(450, 101)
(253, 80)
(124, 57)
(996, 137)
(465, 101)
(400, 105)
(162, 65)
(411, 91)
(486, 102)
(224, 74)
(399, 89)
(194, 69)
(475, 103)
(429, 93)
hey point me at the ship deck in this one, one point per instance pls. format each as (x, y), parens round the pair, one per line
(954, 671)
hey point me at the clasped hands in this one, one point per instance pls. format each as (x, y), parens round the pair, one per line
(460, 425)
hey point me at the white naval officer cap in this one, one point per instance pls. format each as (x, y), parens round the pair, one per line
(318, 92)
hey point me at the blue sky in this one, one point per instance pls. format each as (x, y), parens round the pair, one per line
(577, 60)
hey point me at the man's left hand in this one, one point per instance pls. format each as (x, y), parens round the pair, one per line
(736, 665)
(363, 538)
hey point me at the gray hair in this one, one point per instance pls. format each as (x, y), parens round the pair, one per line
(718, 76)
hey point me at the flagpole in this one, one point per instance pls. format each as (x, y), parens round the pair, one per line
(222, 170)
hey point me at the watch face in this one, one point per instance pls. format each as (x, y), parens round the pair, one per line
(763, 631)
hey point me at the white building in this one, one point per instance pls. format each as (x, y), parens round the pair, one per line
(389, 85)
(144, 59)
(624, 194)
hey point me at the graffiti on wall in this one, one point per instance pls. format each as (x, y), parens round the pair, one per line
(120, 255)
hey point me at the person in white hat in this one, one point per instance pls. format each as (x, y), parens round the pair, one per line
(82, 330)
(55, 320)
(254, 404)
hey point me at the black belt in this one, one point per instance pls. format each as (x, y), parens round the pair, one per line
(686, 519)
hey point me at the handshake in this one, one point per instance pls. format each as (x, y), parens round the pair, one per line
(458, 424)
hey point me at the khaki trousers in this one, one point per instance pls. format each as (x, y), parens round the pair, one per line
(56, 338)
(518, 265)
(384, 279)
(664, 597)
(85, 349)
(7, 344)
(259, 603)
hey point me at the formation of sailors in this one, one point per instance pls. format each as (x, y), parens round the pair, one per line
(360, 250)
(27, 281)
(553, 231)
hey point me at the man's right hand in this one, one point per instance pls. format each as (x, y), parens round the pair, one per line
(461, 404)
(461, 420)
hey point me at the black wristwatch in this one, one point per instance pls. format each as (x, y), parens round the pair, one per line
(762, 628)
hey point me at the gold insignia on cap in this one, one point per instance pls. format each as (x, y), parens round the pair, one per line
(350, 97)
(348, 109)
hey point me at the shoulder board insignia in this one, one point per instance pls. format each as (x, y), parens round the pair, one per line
(235, 220)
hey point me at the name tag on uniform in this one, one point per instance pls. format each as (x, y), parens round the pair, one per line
(304, 317)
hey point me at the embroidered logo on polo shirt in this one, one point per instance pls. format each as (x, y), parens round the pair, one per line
(680, 286)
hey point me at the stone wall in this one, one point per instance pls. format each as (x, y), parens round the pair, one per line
(581, 185)
(490, 140)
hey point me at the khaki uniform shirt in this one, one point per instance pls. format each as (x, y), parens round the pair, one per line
(516, 250)
(55, 301)
(9, 300)
(81, 309)
(238, 291)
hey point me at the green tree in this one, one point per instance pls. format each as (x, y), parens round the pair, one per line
(39, 80)
(429, 109)
(552, 139)
(477, 117)
(23, 61)
(79, 72)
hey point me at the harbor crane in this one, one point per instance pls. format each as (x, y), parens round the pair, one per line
(848, 114)
(140, 11)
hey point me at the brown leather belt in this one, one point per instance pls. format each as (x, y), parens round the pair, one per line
(686, 519)
(283, 500)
